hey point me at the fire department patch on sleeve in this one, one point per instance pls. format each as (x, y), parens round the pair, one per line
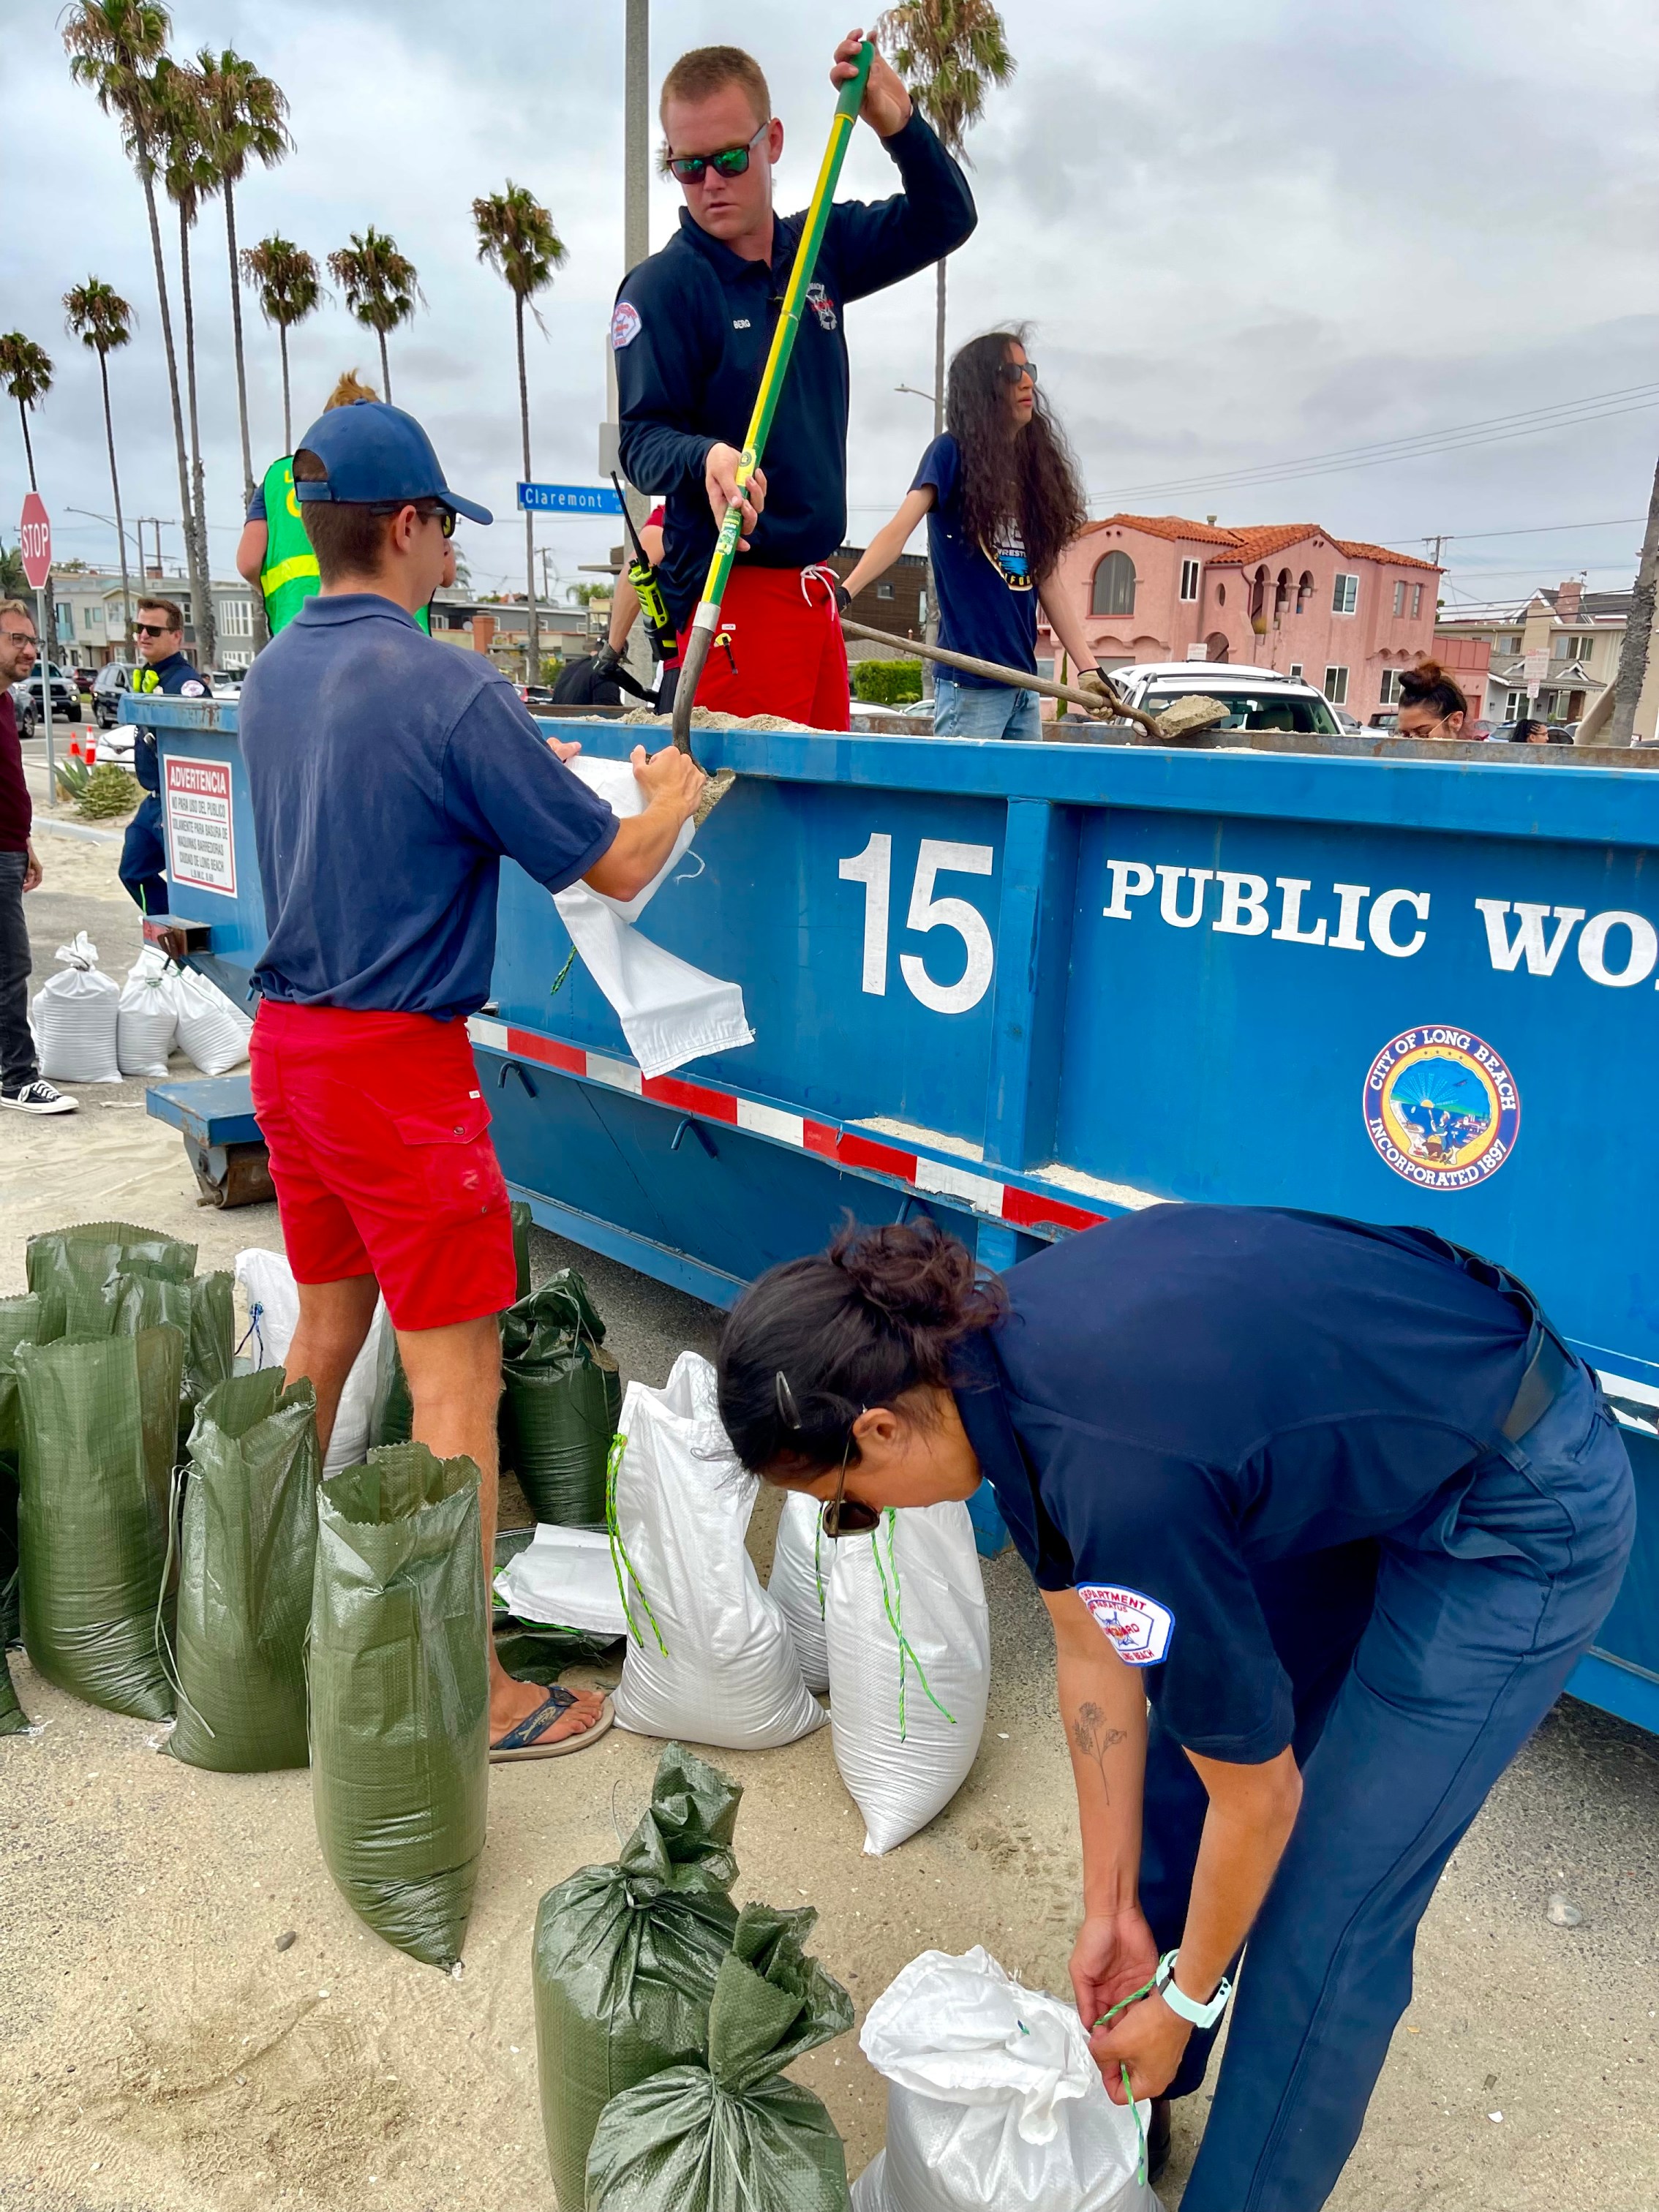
(191, 690)
(1138, 1626)
(624, 325)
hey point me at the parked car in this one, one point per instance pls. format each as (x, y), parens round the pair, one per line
(535, 695)
(1346, 722)
(916, 714)
(1385, 721)
(29, 699)
(112, 681)
(1255, 698)
(227, 683)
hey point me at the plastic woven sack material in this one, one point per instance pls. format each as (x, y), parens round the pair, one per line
(400, 1695)
(562, 1400)
(213, 1033)
(20, 1323)
(994, 2103)
(14, 1721)
(731, 2134)
(211, 1348)
(99, 1429)
(519, 1209)
(76, 1015)
(797, 1582)
(626, 1956)
(273, 1304)
(247, 1554)
(564, 1578)
(910, 1666)
(77, 1272)
(147, 1019)
(709, 1657)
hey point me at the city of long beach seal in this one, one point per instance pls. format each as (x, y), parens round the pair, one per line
(1442, 1107)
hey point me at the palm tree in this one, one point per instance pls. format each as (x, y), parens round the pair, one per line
(189, 177)
(101, 320)
(517, 237)
(114, 47)
(949, 52)
(380, 285)
(26, 372)
(246, 121)
(289, 289)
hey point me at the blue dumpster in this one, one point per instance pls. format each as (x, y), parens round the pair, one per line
(1024, 988)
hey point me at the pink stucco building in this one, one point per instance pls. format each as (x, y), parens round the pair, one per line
(1346, 616)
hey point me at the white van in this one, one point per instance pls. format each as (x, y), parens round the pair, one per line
(1255, 698)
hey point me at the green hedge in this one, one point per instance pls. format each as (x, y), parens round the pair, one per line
(886, 683)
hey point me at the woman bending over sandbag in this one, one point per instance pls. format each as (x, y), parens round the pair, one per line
(1335, 1498)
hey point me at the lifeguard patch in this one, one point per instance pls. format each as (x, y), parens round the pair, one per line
(624, 325)
(1138, 1626)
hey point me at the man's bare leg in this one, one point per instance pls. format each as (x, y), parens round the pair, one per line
(333, 1326)
(454, 1381)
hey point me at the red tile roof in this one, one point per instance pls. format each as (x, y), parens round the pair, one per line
(1358, 550)
(1164, 525)
(1259, 541)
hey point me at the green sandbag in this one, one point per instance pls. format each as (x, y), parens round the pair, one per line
(74, 1269)
(400, 1694)
(520, 1212)
(731, 2134)
(562, 1401)
(14, 1721)
(537, 1651)
(247, 1556)
(99, 1429)
(20, 1323)
(397, 1414)
(625, 1958)
(210, 1352)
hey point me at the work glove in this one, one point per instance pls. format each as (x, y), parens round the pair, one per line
(606, 661)
(1096, 682)
(843, 598)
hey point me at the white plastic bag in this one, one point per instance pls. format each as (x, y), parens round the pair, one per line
(797, 1580)
(273, 1304)
(910, 1644)
(77, 1015)
(147, 1015)
(669, 1011)
(994, 2104)
(709, 1657)
(211, 1030)
(564, 1578)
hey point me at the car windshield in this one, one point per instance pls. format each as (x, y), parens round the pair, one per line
(1295, 711)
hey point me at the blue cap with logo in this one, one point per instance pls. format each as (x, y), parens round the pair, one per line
(377, 456)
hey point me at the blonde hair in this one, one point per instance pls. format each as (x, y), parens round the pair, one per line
(17, 607)
(709, 70)
(349, 391)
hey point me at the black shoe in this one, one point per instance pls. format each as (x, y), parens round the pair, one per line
(1158, 2138)
(38, 1097)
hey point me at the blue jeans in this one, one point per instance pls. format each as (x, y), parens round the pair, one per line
(983, 710)
(1419, 1665)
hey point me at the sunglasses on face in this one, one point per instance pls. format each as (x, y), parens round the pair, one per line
(445, 517)
(730, 162)
(150, 630)
(1010, 371)
(848, 1517)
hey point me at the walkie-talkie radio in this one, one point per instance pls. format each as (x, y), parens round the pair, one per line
(654, 608)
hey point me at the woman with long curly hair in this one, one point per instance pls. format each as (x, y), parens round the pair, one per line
(1002, 501)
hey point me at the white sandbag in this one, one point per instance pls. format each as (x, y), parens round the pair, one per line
(273, 1306)
(147, 1016)
(77, 1015)
(564, 1578)
(709, 1657)
(211, 1030)
(994, 2104)
(910, 1645)
(797, 1580)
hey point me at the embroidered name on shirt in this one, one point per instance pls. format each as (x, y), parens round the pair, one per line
(1138, 1626)
(741, 322)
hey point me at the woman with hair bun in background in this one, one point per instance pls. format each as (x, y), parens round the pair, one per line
(1431, 703)
(1324, 1515)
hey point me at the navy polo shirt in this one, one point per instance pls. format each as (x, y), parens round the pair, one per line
(388, 775)
(987, 604)
(691, 330)
(176, 679)
(1183, 1395)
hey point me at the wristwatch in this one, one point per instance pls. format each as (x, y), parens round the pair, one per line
(1188, 2008)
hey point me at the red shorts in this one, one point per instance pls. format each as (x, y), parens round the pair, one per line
(779, 649)
(379, 1138)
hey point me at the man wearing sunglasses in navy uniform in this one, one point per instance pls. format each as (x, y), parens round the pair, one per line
(691, 333)
(159, 628)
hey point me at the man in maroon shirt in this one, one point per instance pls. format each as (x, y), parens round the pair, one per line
(21, 1083)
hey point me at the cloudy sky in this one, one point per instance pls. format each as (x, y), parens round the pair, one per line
(1248, 240)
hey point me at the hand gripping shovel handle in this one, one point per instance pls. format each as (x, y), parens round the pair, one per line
(703, 623)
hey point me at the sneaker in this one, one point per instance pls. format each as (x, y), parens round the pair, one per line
(38, 1097)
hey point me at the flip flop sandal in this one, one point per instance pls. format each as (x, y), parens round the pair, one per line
(522, 1742)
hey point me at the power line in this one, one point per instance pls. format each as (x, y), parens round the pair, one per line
(1533, 530)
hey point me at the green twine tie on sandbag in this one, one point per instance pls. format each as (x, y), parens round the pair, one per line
(100, 1431)
(247, 1553)
(625, 1958)
(400, 1695)
(733, 2134)
(563, 1401)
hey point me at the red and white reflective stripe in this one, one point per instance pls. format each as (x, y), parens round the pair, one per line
(1017, 1204)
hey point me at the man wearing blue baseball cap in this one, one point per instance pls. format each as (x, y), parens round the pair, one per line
(388, 775)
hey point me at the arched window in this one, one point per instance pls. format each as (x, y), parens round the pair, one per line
(1115, 587)
(1216, 645)
(1303, 591)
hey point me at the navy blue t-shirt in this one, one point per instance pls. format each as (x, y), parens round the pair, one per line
(177, 679)
(388, 774)
(1201, 1390)
(987, 602)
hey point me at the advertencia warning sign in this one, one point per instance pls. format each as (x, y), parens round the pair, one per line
(201, 840)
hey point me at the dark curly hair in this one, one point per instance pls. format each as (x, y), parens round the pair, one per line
(813, 1343)
(1430, 685)
(1031, 478)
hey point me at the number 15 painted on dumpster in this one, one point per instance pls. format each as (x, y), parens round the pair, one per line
(873, 868)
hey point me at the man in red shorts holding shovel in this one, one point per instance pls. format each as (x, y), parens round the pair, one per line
(690, 332)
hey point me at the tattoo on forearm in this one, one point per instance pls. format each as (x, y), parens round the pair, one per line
(1094, 1740)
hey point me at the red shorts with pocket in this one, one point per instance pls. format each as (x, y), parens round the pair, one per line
(778, 649)
(379, 1138)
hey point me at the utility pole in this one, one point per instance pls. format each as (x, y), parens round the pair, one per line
(1636, 653)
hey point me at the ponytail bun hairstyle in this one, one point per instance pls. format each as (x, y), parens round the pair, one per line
(1430, 685)
(814, 1343)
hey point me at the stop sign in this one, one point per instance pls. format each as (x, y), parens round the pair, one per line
(34, 532)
